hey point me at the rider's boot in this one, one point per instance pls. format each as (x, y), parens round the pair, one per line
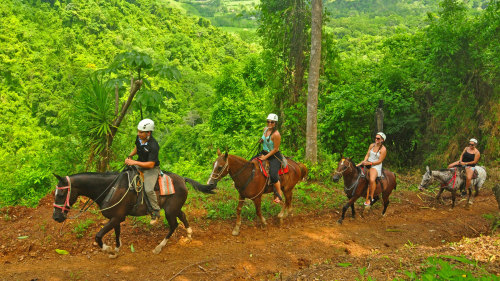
(155, 218)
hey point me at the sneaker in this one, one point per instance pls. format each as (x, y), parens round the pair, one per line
(367, 204)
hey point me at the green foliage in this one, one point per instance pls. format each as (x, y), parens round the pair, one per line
(82, 227)
(439, 268)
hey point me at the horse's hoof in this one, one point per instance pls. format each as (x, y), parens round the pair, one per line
(107, 249)
(339, 222)
(157, 250)
(113, 256)
(236, 231)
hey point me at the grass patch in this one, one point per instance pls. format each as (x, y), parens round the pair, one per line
(82, 227)
(450, 268)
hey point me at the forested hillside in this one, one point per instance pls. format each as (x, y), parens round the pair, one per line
(435, 64)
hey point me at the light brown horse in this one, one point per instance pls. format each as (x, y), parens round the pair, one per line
(251, 183)
(355, 185)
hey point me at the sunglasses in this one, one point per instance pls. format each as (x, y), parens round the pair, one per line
(472, 144)
(270, 122)
(377, 138)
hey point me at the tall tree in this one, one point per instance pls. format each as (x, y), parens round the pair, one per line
(100, 118)
(313, 81)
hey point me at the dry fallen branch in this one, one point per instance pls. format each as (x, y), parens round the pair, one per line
(178, 273)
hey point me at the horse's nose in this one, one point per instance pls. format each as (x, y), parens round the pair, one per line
(335, 178)
(58, 216)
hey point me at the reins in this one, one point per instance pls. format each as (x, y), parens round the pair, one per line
(84, 208)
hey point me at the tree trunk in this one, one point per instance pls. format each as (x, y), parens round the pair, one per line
(103, 165)
(313, 82)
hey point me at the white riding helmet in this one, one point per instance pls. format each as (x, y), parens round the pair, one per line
(382, 135)
(473, 140)
(272, 117)
(146, 125)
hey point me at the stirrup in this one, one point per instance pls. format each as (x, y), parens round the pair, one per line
(154, 219)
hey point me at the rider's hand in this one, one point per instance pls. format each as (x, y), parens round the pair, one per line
(129, 161)
(262, 157)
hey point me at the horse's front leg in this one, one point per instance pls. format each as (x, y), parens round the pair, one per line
(453, 197)
(236, 230)
(257, 202)
(438, 197)
(349, 203)
(353, 213)
(117, 241)
(114, 222)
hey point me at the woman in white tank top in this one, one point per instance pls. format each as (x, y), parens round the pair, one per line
(373, 160)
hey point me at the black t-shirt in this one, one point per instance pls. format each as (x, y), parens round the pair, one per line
(148, 152)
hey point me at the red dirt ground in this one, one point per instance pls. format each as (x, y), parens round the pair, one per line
(306, 247)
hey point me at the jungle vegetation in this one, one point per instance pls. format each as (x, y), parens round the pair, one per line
(209, 72)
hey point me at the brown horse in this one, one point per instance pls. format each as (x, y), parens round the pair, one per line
(251, 182)
(116, 200)
(356, 185)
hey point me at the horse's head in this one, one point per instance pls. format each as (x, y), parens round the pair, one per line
(344, 165)
(220, 168)
(426, 179)
(63, 198)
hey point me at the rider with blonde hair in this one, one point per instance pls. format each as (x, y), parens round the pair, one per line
(469, 158)
(373, 161)
(147, 148)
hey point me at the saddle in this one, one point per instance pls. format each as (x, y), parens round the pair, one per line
(462, 173)
(364, 172)
(164, 185)
(264, 168)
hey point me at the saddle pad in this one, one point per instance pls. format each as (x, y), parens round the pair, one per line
(166, 185)
(280, 172)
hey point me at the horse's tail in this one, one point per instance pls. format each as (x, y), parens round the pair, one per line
(201, 187)
(303, 170)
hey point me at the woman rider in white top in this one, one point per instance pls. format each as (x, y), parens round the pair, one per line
(373, 160)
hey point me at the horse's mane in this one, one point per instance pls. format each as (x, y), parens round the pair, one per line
(354, 165)
(106, 174)
(238, 157)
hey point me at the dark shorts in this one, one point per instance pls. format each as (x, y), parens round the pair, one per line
(274, 165)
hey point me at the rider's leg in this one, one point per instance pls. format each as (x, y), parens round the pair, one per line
(371, 185)
(150, 178)
(274, 166)
(468, 177)
(277, 185)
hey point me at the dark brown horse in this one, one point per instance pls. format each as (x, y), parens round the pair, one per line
(355, 185)
(116, 200)
(251, 183)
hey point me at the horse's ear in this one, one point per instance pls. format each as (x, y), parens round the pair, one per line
(57, 176)
(427, 169)
(225, 155)
(218, 152)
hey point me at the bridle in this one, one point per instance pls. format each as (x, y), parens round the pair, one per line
(217, 176)
(66, 206)
(341, 173)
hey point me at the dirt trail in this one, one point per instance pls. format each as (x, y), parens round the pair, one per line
(308, 246)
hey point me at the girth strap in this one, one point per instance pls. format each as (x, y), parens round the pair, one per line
(250, 178)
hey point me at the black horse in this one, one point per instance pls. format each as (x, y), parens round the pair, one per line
(122, 201)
